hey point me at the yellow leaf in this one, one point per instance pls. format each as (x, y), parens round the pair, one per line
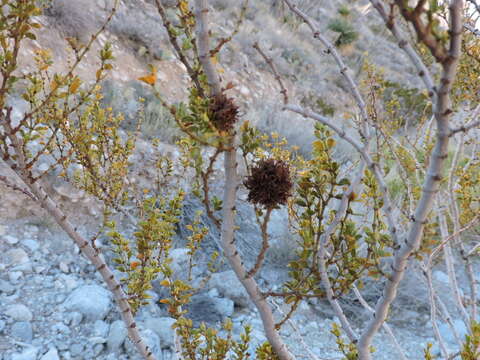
(330, 143)
(164, 301)
(149, 79)
(183, 6)
(318, 145)
(74, 85)
(134, 264)
(165, 283)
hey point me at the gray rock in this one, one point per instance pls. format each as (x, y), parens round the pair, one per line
(31, 244)
(60, 328)
(76, 349)
(23, 331)
(14, 276)
(180, 260)
(64, 267)
(2, 326)
(230, 287)
(100, 328)
(6, 287)
(18, 259)
(204, 308)
(447, 334)
(97, 340)
(153, 342)
(440, 276)
(74, 318)
(19, 312)
(10, 239)
(224, 306)
(117, 335)
(62, 345)
(27, 354)
(163, 328)
(97, 349)
(51, 354)
(92, 301)
(70, 281)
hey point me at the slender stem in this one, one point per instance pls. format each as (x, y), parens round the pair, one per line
(344, 70)
(450, 266)
(230, 195)
(433, 310)
(385, 326)
(265, 245)
(415, 59)
(92, 254)
(465, 128)
(430, 187)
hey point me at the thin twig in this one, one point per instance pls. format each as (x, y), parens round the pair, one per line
(178, 50)
(465, 128)
(297, 332)
(433, 310)
(232, 182)
(387, 327)
(415, 59)
(431, 185)
(269, 61)
(15, 187)
(265, 245)
(344, 70)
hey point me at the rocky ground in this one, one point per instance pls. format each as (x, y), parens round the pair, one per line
(54, 306)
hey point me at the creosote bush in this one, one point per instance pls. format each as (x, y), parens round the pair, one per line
(346, 224)
(270, 183)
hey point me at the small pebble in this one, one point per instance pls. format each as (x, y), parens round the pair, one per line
(51, 354)
(64, 267)
(14, 276)
(23, 331)
(10, 239)
(19, 312)
(76, 349)
(6, 287)
(32, 245)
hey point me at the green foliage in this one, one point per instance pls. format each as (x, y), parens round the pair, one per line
(320, 186)
(349, 350)
(347, 33)
(265, 352)
(427, 352)
(343, 10)
(318, 104)
(206, 343)
(152, 239)
(471, 347)
(468, 191)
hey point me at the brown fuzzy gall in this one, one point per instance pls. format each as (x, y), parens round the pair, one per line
(223, 112)
(269, 184)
